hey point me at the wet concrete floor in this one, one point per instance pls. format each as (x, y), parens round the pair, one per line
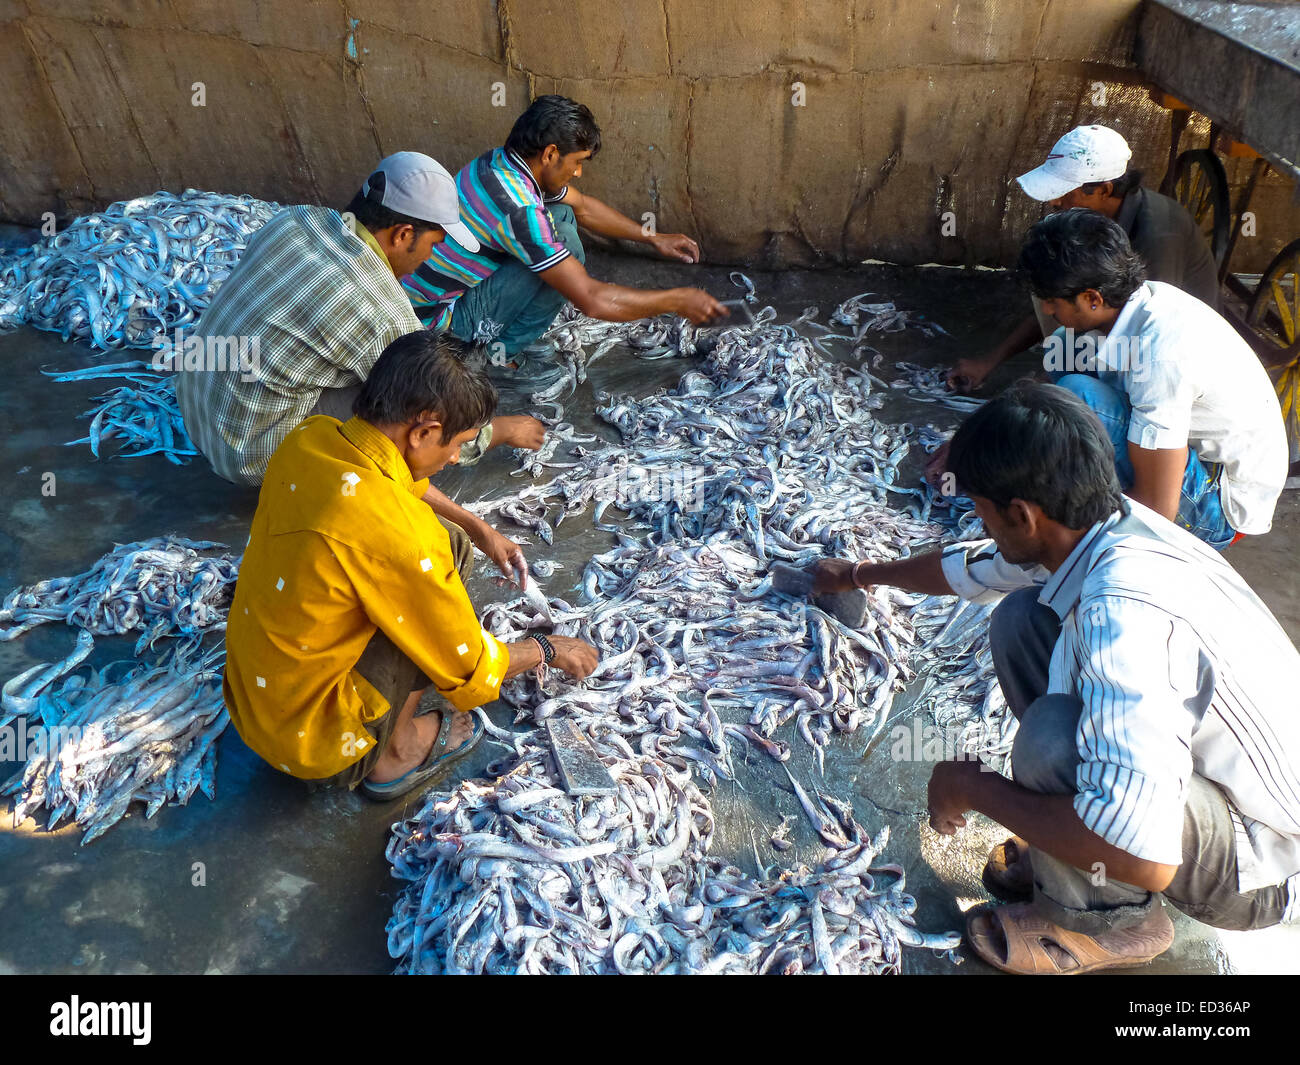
(268, 878)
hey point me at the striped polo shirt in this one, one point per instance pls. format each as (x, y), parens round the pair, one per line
(505, 209)
(1181, 669)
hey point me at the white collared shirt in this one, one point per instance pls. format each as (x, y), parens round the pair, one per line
(1193, 381)
(1181, 668)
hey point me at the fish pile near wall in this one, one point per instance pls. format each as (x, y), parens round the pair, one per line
(130, 276)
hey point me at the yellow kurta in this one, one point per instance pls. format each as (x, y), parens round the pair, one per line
(342, 544)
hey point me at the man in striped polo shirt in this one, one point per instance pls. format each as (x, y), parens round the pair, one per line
(1158, 749)
(520, 206)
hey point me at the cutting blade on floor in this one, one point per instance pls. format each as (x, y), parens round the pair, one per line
(581, 770)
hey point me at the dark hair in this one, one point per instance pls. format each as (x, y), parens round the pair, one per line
(424, 371)
(1120, 186)
(1072, 251)
(557, 120)
(1042, 444)
(375, 216)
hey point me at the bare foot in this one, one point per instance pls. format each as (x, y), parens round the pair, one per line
(410, 747)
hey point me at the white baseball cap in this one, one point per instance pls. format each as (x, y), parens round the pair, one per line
(418, 186)
(1084, 155)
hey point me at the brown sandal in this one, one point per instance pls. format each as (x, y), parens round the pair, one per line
(1014, 938)
(1008, 873)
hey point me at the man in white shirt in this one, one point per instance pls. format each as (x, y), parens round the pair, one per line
(1089, 167)
(1195, 422)
(1159, 748)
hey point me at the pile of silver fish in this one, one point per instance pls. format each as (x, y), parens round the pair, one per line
(698, 653)
(143, 414)
(564, 348)
(129, 277)
(515, 876)
(130, 732)
(790, 443)
(765, 451)
(132, 273)
(866, 314)
(159, 587)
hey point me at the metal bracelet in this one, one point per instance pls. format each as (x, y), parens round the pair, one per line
(853, 574)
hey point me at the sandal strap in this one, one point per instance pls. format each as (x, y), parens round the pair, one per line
(444, 729)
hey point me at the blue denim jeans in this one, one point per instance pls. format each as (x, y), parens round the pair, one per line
(1200, 511)
(514, 306)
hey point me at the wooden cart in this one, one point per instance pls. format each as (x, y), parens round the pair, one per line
(1239, 65)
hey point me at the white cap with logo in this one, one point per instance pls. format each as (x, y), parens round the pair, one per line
(418, 186)
(1084, 155)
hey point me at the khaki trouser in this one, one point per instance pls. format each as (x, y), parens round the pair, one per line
(1022, 633)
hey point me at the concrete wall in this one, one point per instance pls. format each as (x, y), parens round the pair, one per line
(912, 108)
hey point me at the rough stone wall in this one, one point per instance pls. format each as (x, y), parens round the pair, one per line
(911, 108)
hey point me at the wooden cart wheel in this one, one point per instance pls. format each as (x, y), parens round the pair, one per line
(1274, 313)
(1201, 185)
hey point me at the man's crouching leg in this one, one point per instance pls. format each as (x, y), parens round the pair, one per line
(1045, 759)
(1206, 886)
(413, 736)
(399, 741)
(1079, 919)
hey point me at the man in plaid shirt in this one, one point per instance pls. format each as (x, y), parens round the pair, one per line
(318, 290)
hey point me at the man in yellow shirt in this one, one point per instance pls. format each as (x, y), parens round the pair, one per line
(351, 599)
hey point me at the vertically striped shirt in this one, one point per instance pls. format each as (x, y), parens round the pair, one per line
(1181, 669)
(505, 209)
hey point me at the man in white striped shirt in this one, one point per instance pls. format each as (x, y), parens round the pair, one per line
(1159, 744)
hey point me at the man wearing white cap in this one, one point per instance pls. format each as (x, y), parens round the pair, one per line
(1089, 167)
(316, 298)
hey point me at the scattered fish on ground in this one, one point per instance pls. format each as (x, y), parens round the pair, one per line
(143, 414)
(130, 276)
(929, 384)
(697, 654)
(159, 587)
(130, 732)
(514, 876)
(961, 690)
(798, 468)
(95, 743)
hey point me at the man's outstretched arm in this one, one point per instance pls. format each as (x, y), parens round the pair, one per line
(505, 553)
(919, 573)
(598, 217)
(618, 303)
(971, 372)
